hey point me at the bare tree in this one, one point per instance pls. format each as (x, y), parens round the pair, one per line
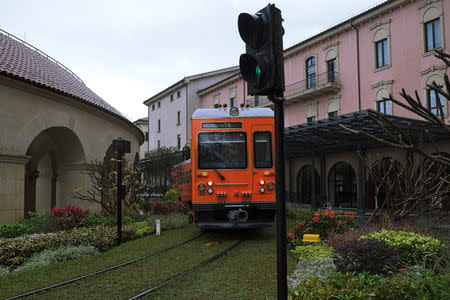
(400, 190)
(103, 188)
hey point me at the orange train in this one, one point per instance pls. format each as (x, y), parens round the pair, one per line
(232, 169)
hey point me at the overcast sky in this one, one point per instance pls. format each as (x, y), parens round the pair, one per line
(127, 51)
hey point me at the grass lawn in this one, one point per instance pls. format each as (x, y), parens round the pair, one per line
(247, 272)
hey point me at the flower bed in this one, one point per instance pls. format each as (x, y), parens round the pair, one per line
(380, 265)
(322, 223)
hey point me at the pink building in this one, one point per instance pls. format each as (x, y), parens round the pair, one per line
(345, 69)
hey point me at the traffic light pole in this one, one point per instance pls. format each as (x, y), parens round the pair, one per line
(280, 182)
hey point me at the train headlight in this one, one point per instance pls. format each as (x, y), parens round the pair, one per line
(262, 189)
(261, 182)
(210, 191)
(270, 185)
(210, 183)
(201, 187)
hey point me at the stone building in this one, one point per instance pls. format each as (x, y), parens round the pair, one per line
(51, 124)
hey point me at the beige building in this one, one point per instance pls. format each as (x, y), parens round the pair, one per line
(51, 123)
(142, 123)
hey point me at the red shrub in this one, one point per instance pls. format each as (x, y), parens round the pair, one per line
(68, 216)
(164, 209)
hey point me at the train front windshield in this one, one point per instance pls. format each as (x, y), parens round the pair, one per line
(222, 150)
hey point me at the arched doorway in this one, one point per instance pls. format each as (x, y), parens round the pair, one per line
(342, 185)
(305, 184)
(53, 171)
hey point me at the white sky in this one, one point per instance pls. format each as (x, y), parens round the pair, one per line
(127, 51)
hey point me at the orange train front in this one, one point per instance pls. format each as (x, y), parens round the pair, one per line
(233, 171)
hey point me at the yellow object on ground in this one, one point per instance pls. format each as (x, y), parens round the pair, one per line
(312, 238)
(211, 244)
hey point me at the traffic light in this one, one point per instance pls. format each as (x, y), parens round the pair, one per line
(262, 65)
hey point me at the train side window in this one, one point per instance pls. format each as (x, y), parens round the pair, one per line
(262, 149)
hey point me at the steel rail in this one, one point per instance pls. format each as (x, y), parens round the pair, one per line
(183, 273)
(103, 270)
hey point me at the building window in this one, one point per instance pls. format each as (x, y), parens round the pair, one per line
(257, 100)
(146, 136)
(331, 70)
(384, 106)
(178, 94)
(432, 35)
(233, 102)
(178, 141)
(381, 40)
(333, 114)
(159, 125)
(381, 49)
(310, 72)
(434, 101)
(159, 104)
(153, 106)
(178, 118)
(171, 97)
(159, 144)
(309, 120)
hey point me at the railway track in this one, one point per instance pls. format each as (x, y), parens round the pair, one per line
(185, 272)
(50, 287)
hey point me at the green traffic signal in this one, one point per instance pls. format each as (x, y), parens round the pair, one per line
(258, 74)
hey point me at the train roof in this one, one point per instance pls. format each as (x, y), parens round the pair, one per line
(259, 112)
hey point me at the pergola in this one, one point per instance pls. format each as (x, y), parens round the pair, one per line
(322, 137)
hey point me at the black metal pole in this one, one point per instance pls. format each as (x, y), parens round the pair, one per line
(119, 196)
(280, 183)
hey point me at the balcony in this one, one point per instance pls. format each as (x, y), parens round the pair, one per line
(322, 84)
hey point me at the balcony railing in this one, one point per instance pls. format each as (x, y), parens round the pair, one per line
(314, 86)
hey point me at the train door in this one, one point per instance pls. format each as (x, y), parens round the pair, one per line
(262, 158)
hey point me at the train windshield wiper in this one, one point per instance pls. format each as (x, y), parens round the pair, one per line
(220, 174)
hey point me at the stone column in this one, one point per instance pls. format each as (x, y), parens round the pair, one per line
(12, 186)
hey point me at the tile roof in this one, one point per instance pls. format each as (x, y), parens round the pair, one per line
(20, 60)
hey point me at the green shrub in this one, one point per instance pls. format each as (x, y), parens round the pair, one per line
(315, 250)
(4, 270)
(413, 248)
(63, 253)
(14, 252)
(40, 223)
(127, 220)
(369, 255)
(172, 196)
(307, 269)
(93, 220)
(143, 228)
(299, 214)
(168, 222)
(14, 230)
(403, 285)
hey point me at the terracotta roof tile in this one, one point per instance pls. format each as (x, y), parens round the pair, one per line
(20, 60)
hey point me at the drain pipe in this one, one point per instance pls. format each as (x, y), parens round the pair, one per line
(357, 63)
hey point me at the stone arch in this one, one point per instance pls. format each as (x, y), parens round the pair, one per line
(305, 184)
(54, 169)
(342, 185)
